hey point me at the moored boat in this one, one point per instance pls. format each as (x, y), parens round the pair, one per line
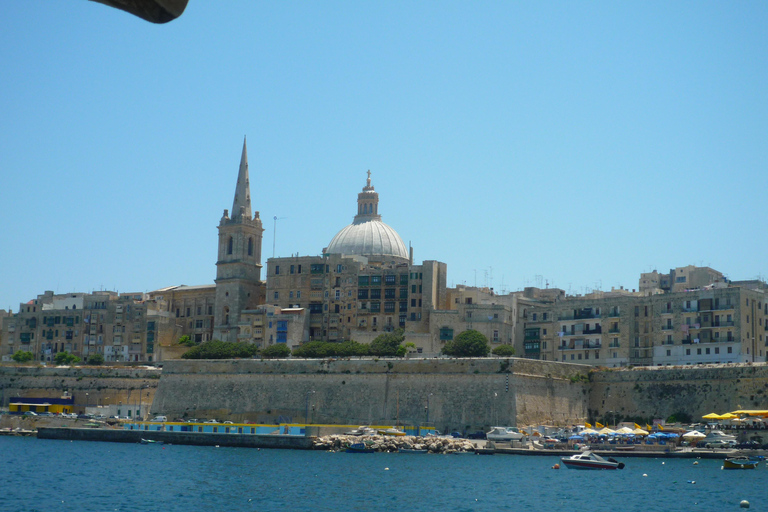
(589, 460)
(740, 463)
(359, 448)
(504, 434)
(391, 432)
(361, 431)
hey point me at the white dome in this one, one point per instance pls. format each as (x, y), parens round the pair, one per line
(368, 237)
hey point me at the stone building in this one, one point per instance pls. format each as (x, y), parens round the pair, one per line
(680, 279)
(364, 283)
(121, 327)
(267, 325)
(716, 324)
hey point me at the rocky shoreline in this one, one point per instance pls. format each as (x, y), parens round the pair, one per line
(339, 442)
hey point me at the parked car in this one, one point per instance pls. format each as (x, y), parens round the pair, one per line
(29, 413)
(721, 443)
(748, 445)
(476, 435)
(456, 435)
(212, 421)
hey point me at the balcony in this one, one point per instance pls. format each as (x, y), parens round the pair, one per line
(723, 324)
(614, 330)
(597, 330)
(667, 328)
(580, 345)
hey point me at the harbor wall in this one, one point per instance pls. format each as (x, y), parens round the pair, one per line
(451, 394)
(103, 384)
(657, 393)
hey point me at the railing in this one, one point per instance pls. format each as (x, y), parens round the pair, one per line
(614, 330)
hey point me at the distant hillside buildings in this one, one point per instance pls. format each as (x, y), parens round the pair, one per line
(366, 282)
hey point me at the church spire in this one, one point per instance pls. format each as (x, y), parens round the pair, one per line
(241, 206)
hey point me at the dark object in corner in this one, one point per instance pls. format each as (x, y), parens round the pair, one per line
(156, 11)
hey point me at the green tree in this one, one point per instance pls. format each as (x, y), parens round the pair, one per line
(469, 343)
(66, 358)
(504, 351)
(187, 341)
(217, 349)
(386, 344)
(95, 359)
(276, 351)
(23, 356)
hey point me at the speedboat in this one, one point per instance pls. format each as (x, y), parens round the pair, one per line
(391, 432)
(504, 434)
(716, 435)
(740, 463)
(361, 431)
(589, 460)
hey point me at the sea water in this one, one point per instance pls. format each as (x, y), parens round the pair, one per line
(45, 475)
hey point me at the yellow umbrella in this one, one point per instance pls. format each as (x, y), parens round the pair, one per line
(640, 432)
(712, 416)
(728, 416)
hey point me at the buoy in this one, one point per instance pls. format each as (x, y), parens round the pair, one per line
(695, 463)
(386, 469)
(556, 466)
(662, 463)
(645, 474)
(691, 481)
(744, 504)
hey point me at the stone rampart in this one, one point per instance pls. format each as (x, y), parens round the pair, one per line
(103, 384)
(657, 393)
(451, 394)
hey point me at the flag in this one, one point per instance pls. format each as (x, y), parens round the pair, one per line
(598, 425)
(661, 427)
(648, 427)
(587, 425)
(637, 426)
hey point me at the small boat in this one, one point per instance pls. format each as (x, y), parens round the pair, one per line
(740, 463)
(361, 431)
(359, 448)
(411, 450)
(391, 432)
(589, 460)
(150, 441)
(504, 434)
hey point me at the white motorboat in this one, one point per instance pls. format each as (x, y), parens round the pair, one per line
(716, 435)
(361, 431)
(589, 460)
(504, 434)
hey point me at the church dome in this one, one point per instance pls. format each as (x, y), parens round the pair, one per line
(368, 235)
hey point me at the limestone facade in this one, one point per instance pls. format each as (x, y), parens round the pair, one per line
(712, 325)
(121, 327)
(268, 325)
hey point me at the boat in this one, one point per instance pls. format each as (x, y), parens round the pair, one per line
(411, 450)
(150, 441)
(740, 463)
(715, 435)
(359, 448)
(504, 434)
(361, 431)
(391, 432)
(589, 460)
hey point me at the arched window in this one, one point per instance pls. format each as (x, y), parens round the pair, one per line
(250, 246)
(229, 246)
(226, 316)
(365, 208)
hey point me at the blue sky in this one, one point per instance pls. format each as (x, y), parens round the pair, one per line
(580, 142)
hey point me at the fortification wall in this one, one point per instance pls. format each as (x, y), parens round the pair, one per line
(103, 384)
(452, 394)
(657, 393)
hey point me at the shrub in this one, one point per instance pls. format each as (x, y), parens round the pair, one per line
(23, 356)
(95, 359)
(504, 351)
(469, 343)
(277, 351)
(66, 358)
(216, 349)
(387, 344)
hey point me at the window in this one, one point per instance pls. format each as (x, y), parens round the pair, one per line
(730, 350)
(290, 294)
(389, 279)
(292, 269)
(495, 336)
(337, 295)
(277, 295)
(534, 317)
(298, 294)
(250, 246)
(277, 270)
(375, 279)
(229, 246)
(544, 316)
(669, 353)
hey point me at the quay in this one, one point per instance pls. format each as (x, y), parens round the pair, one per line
(293, 442)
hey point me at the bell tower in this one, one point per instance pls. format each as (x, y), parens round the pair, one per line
(238, 268)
